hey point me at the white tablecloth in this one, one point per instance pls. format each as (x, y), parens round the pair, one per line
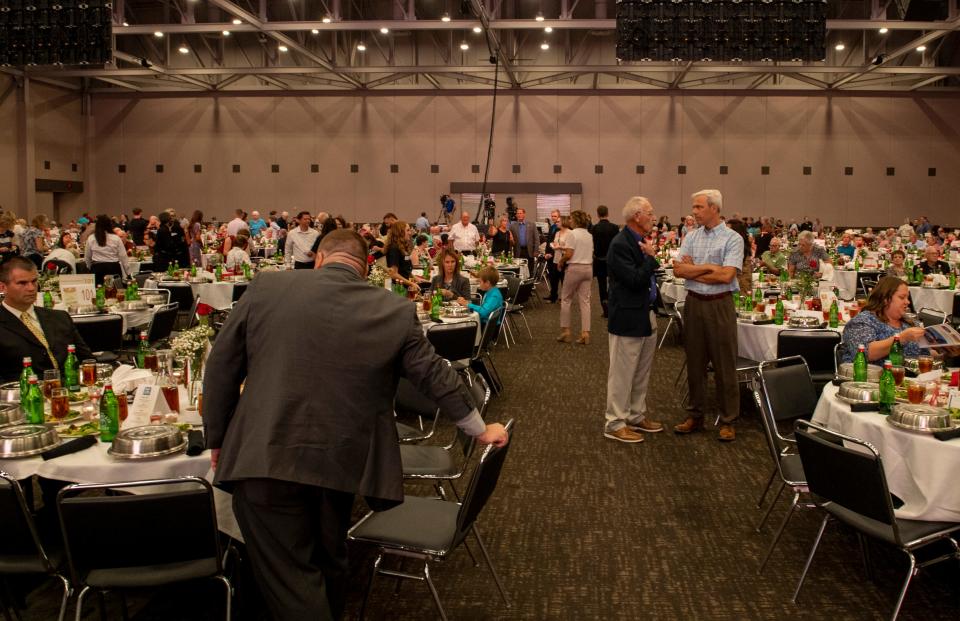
(472, 317)
(760, 342)
(672, 292)
(131, 319)
(939, 299)
(219, 295)
(921, 470)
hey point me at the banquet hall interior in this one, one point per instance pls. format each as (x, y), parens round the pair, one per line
(829, 128)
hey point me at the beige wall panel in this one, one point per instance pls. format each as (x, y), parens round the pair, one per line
(868, 149)
(251, 143)
(415, 149)
(293, 146)
(59, 132)
(188, 140)
(701, 134)
(741, 150)
(660, 154)
(376, 186)
(829, 135)
(537, 142)
(621, 132)
(332, 186)
(504, 154)
(943, 149)
(9, 145)
(787, 190)
(457, 140)
(579, 143)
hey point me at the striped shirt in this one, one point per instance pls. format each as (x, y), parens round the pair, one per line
(719, 246)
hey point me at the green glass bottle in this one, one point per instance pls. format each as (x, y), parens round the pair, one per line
(784, 275)
(25, 375)
(953, 280)
(834, 315)
(888, 388)
(193, 270)
(109, 414)
(860, 364)
(101, 298)
(32, 404)
(778, 312)
(896, 351)
(142, 349)
(218, 272)
(47, 299)
(435, 304)
(71, 369)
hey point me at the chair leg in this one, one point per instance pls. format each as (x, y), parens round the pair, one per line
(767, 488)
(813, 550)
(228, 601)
(529, 333)
(473, 558)
(373, 576)
(433, 590)
(773, 503)
(865, 556)
(906, 584)
(102, 602)
(493, 572)
(80, 597)
(665, 333)
(783, 526)
(66, 597)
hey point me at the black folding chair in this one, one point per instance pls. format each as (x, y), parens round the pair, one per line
(845, 475)
(454, 342)
(428, 529)
(816, 348)
(509, 293)
(410, 402)
(21, 550)
(239, 289)
(161, 327)
(522, 296)
(135, 556)
(103, 334)
(931, 317)
(57, 266)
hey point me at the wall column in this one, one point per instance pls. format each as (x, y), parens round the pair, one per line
(26, 165)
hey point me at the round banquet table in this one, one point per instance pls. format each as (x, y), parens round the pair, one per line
(926, 297)
(219, 295)
(760, 342)
(131, 319)
(921, 470)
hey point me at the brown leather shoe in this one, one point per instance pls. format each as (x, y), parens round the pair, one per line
(648, 426)
(690, 425)
(624, 434)
(727, 433)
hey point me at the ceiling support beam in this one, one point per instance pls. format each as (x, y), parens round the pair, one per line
(389, 79)
(121, 83)
(493, 41)
(256, 22)
(639, 78)
(927, 82)
(274, 81)
(549, 79)
(807, 79)
(680, 76)
(158, 69)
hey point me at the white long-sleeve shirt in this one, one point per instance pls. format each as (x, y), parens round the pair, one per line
(299, 243)
(112, 252)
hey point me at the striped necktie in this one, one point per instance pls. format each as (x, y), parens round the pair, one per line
(37, 332)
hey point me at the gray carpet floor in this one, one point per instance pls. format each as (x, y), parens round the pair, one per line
(582, 527)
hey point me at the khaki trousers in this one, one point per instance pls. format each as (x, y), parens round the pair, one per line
(577, 281)
(631, 359)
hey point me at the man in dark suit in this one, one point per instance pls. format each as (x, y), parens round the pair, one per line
(603, 233)
(320, 353)
(526, 237)
(553, 272)
(48, 333)
(632, 325)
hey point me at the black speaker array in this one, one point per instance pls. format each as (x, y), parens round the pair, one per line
(55, 32)
(721, 30)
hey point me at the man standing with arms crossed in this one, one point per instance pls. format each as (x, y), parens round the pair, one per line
(710, 257)
(633, 326)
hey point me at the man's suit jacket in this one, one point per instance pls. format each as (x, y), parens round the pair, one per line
(603, 233)
(16, 341)
(533, 238)
(321, 352)
(630, 272)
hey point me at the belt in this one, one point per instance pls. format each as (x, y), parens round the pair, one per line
(707, 298)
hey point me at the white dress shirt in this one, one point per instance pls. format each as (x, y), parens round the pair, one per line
(235, 225)
(236, 257)
(112, 252)
(465, 238)
(581, 241)
(299, 243)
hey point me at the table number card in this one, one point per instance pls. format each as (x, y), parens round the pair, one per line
(77, 289)
(147, 402)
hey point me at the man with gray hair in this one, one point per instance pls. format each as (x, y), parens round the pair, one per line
(710, 258)
(632, 327)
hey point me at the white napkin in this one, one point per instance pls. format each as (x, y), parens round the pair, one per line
(127, 377)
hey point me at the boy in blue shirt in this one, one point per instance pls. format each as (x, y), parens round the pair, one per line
(492, 298)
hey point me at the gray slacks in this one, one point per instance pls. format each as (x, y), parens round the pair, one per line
(710, 335)
(631, 358)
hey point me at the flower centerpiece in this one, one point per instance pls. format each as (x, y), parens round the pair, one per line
(377, 275)
(193, 345)
(806, 278)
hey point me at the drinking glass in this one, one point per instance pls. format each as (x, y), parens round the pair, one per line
(898, 374)
(59, 403)
(924, 364)
(88, 372)
(122, 405)
(150, 360)
(915, 392)
(51, 380)
(104, 373)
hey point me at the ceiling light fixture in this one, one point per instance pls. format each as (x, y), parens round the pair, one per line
(544, 46)
(839, 47)
(884, 31)
(539, 17)
(445, 18)
(237, 22)
(548, 29)
(326, 19)
(464, 46)
(183, 49)
(314, 31)
(361, 47)
(158, 34)
(477, 29)
(922, 48)
(125, 24)
(226, 33)
(384, 30)
(282, 48)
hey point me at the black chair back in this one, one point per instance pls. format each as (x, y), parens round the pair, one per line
(181, 293)
(146, 267)
(453, 341)
(513, 285)
(100, 332)
(931, 317)
(814, 346)
(20, 538)
(788, 388)
(524, 291)
(956, 306)
(411, 401)
(491, 329)
(111, 532)
(482, 484)
(238, 290)
(142, 278)
(57, 266)
(163, 321)
(850, 477)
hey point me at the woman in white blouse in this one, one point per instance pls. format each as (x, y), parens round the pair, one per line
(576, 261)
(238, 254)
(104, 252)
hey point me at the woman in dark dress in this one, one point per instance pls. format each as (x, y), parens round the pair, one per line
(397, 250)
(502, 238)
(171, 246)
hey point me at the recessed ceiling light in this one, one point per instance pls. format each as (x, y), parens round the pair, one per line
(539, 17)
(326, 19)
(921, 48)
(464, 46)
(839, 47)
(544, 46)
(125, 24)
(384, 30)
(183, 49)
(361, 47)
(158, 34)
(282, 48)
(314, 31)
(884, 31)
(226, 33)
(445, 18)
(237, 22)
(548, 29)
(477, 29)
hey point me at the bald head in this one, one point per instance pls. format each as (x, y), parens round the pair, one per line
(343, 246)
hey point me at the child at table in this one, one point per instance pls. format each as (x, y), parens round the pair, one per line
(492, 298)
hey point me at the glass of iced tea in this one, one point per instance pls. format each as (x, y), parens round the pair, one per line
(122, 405)
(924, 364)
(915, 392)
(51, 380)
(898, 374)
(150, 360)
(172, 395)
(59, 403)
(88, 372)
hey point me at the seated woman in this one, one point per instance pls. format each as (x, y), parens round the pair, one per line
(239, 255)
(492, 298)
(879, 321)
(420, 251)
(807, 257)
(450, 282)
(896, 269)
